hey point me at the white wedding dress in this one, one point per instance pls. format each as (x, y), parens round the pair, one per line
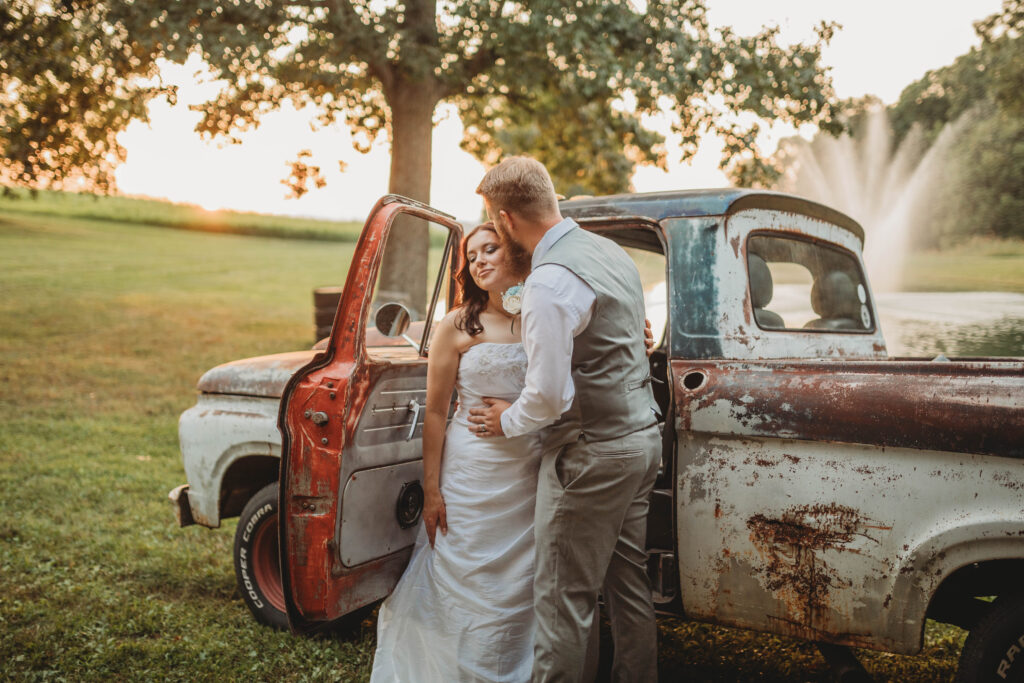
(463, 610)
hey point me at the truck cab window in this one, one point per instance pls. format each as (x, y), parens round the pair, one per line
(644, 246)
(800, 284)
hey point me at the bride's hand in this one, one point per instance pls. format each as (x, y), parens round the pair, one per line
(648, 337)
(434, 514)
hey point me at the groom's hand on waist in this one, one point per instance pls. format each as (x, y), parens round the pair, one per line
(487, 421)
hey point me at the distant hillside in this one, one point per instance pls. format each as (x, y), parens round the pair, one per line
(171, 215)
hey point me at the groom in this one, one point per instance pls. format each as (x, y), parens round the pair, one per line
(587, 386)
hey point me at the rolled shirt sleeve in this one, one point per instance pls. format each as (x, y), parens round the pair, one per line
(557, 306)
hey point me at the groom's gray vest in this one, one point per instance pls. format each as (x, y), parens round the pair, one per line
(610, 369)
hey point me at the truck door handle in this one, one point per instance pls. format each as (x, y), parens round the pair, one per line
(415, 407)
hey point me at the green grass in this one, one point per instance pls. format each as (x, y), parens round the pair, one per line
(167, 214)
(104, 329)
(979, 265)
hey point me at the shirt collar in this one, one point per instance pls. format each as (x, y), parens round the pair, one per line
(554, 233)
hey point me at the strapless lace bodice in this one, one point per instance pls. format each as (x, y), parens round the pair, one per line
(489, 369)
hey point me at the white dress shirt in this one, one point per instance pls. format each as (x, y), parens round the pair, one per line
(557, 306)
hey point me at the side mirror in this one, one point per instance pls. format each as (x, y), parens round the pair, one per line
(393, 320)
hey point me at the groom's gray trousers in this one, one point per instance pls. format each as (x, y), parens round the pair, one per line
(591, 526)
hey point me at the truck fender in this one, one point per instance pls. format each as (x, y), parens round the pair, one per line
(924, 568)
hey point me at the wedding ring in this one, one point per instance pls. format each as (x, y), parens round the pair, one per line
(481, 429)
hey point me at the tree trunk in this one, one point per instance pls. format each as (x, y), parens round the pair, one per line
(404, 270)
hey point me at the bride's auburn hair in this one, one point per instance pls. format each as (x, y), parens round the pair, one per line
(470, 297)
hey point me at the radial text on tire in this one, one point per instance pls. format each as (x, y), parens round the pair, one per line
(994, 649)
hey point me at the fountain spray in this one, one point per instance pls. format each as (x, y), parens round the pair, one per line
(886, 189)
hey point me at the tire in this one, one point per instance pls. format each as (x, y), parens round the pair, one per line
(257, 561)
(994, 649)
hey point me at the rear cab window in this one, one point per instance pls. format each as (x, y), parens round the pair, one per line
(802, 284)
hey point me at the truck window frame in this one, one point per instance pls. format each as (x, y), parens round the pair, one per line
(822, 244)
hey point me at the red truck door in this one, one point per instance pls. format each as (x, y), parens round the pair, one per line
(351, 428)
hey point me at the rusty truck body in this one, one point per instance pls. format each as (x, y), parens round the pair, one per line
(811, 485)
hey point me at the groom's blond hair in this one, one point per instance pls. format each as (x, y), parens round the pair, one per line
(522, 185)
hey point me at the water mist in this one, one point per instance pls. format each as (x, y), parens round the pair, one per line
(881, 187)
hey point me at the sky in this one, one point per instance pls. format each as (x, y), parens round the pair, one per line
(883, 46)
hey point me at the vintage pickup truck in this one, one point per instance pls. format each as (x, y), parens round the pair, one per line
(811, 485)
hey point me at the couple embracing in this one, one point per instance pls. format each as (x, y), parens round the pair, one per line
(536, 497)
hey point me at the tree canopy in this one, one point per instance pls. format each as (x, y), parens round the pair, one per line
(988, 77)
(70, 81)
(972, 113)
(568, 82)
(544, 77)
(982, 181)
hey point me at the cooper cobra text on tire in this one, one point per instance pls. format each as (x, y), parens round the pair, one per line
(257, 564)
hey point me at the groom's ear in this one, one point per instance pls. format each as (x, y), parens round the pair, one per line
(512, 220)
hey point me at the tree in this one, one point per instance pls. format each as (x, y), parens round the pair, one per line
(988, 76)
(1001, 36)
(548, 66)
(940, 96)
(70, 81)
(982, 182)
(966, 119)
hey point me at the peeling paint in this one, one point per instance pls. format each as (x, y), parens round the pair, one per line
(795, 567)
(959, 406)
(264, 376)
(337, 383)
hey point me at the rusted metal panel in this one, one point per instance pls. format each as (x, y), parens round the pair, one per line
(182, 510)
(338, 383)
(964, 407)
(795, 563)
(263, 376)
(215, 433)
(327, 587)
(711, 312)
(656, 206)
(695, 307)
(835, 542)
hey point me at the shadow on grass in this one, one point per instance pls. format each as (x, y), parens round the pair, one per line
(698, 653)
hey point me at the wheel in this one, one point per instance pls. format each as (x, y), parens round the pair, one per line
(994, 649)
(257, 563)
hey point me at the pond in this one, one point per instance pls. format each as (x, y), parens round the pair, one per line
(952, 323)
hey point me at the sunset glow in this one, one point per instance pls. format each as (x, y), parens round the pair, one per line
(880, 49)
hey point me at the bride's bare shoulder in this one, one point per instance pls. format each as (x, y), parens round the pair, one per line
(454, 320)
(451, 331)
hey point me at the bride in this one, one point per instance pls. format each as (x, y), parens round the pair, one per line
(463, 609)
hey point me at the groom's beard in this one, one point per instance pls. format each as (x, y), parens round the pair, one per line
(505, 233)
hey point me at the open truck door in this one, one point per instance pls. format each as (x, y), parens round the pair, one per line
(351, 422)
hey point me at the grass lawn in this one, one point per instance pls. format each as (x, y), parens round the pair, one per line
(166, 214)
(980, 265)
(104, 329)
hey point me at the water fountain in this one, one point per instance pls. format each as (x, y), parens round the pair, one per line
(881, 186)
(886, 189)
